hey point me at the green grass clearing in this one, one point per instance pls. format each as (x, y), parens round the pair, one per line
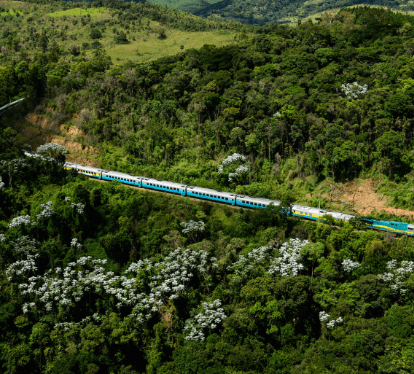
(79, 12)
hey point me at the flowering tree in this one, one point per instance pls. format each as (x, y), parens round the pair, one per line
(349, 266)
(354, 90)
(234, 168)
(397, 274)
(330, 324)
(52, 152)
(12, 167)
(212, 316)
(246, 264)
(289, 262)
(194, 228)
(143, 289)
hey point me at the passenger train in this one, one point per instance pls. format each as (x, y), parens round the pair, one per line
(300, 211)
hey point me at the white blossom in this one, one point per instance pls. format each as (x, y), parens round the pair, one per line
(349, 266)
(2, 184)
(19, 221)
(47, 211)
(240, 170)
(288, 264)
(167, 279)
(24, 245)
(15, 165)
(323, 316)
(191, 226)
(330, 324)
(229, 160)
(396, 275)
(51, 147)
(246, 263)
(354, 90)
(78, 207)
(197, 327)
(232, 159)
(75, 244)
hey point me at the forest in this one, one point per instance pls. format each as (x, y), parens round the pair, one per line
(260, 12)
(102, 278)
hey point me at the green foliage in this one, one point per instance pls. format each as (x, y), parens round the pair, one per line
(273, 96)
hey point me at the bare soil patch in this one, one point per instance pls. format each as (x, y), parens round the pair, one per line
(360, 196)
(38, 129)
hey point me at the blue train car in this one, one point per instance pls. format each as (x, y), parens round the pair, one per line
(211, 195)
(121, 177)
(255, 202)
(233, 199)
(164, 186)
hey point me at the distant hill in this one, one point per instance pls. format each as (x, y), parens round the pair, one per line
(260, 12)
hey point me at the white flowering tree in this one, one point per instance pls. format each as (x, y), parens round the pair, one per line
(12, 168)
(288, 262)
(397, 274)
(205, 322)
(349, 266)
(52, 152)
(234, 168)
(354, 90)
(193, 228)
(2, 184)
(143, 289)
(245, 264)
(330, 323)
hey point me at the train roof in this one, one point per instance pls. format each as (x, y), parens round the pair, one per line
(308, 209)
(210, 191)
(341, 216)
(165, 183)
(117, 174)
(258, 200)
(82, 167)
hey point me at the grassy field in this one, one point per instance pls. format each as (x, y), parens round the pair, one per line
(81, 12)
(68, 28)
(13, 4)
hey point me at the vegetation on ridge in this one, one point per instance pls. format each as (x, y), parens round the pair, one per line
(98, 277)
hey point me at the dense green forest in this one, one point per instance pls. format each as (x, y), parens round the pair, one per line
(320, 101)
(99, 277)
(95, 278)
(260, 12)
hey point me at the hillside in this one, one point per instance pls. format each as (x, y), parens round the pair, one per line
(137, 37)
(97, 277)
(259, 12)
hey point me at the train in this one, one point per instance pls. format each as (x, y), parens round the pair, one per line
(8, 106)
(244, 201)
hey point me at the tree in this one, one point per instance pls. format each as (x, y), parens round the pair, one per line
(95, 34)
(121, 38)
(43, 41)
